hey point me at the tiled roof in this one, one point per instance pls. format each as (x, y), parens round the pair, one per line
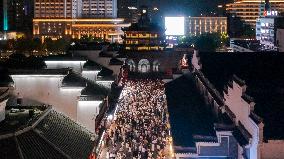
(64, 71)
(91, 65)
(73, 80)
(54, 136)
(5, 79)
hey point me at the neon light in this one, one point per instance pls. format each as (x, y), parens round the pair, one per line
(172, 28)
(101, 25)
(25, 76)
(5, 14)
(70, 88)
(88, 103)
(79, 20)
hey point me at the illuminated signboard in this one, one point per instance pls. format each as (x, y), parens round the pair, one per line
(270, 13)
(174, 26)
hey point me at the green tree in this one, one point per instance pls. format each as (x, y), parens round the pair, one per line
(49, 45)
(208, 42)
(21, 45)
(37, 44)
(225, 39)
(10, 44)
(61, 45)
(15, 60)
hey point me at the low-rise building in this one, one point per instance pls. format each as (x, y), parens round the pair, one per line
(106, 29)
(266, 29)
(251, 88)
(245, 45)
(198, 25)
(197, 126)
(144, 35)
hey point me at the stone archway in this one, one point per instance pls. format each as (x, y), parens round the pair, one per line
(132, 66)
(156, 66)
(144, 66)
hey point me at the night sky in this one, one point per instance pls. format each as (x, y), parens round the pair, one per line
(185, 7)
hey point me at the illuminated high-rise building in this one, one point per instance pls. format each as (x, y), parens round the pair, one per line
(77, 18)
(250, 10)
(58, 8)
(100, 8)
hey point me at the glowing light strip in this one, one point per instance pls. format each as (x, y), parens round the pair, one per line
(101, 25)
(63, 62)
(70, 88)
(79, 20)
(93, 102)
(90, 71)
(100, 142)
(208, 18)
(39, 75)
(98, 81)
(5, 16)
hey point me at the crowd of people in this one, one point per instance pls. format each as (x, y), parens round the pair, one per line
(139, 128)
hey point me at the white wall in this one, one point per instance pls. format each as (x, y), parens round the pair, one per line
(242, 111)
(76, 65)
(90, 75)
(87, 112)
(105, 83)
(104, 61)
(46, 89)
(195, 60)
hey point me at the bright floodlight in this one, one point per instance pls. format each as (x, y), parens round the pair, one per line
(174, 25)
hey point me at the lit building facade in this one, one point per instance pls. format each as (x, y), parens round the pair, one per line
(57, 8)
(100, 8)
(107, 29)
(65, 19)
(144, 35)
(250, 10)
(142, 40)
(198, 25)
(266, 29)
